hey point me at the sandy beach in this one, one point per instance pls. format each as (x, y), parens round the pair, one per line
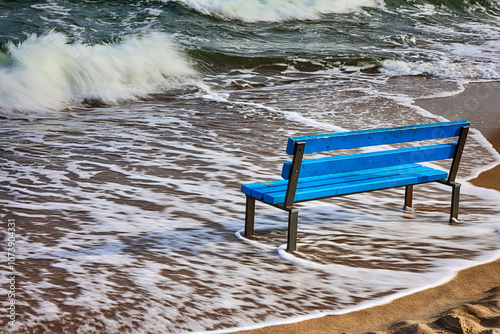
(470, 303)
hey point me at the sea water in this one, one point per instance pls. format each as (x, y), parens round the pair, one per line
(127, 129)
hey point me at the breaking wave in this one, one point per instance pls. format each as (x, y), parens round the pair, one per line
(442, 68)
(49, 72)
(274, 10)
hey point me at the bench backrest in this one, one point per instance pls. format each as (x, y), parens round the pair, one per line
(354, 139)
(298, 146)
(373, 137)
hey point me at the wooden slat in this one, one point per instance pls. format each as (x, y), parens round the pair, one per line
(248, 189)
(357, 186)
(373, 137)
(353, 162)
(347, 178)
(315, 181)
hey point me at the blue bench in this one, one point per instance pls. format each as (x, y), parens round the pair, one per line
(311, 179)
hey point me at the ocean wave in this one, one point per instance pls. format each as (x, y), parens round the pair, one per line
(274, 10)
(442, 68)
(48, 72)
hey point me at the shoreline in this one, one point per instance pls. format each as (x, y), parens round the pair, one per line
(470, 302)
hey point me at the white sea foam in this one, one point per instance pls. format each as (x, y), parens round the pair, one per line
(443, 68)
(50, 72)
(276, 10)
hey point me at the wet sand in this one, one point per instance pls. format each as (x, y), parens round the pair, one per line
(470, 303)
(480, 104)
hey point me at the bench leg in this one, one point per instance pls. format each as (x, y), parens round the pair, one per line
(409, 196)
(249, 216)
(293, 220)
(455, 196)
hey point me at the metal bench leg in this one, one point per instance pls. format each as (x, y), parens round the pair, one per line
(409, 196)
(249, 216)
(455, 196)
(293, 219)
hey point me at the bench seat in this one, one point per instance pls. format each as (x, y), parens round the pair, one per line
(315, 187)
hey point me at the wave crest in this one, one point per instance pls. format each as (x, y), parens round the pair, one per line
(442, 68)
(275, 10)
(48, 72)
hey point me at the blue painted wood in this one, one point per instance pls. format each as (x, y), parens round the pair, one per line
(248, 189)
(345, 188)
(259, 190)
(316, 181)
(353, 162)
(362, 138)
